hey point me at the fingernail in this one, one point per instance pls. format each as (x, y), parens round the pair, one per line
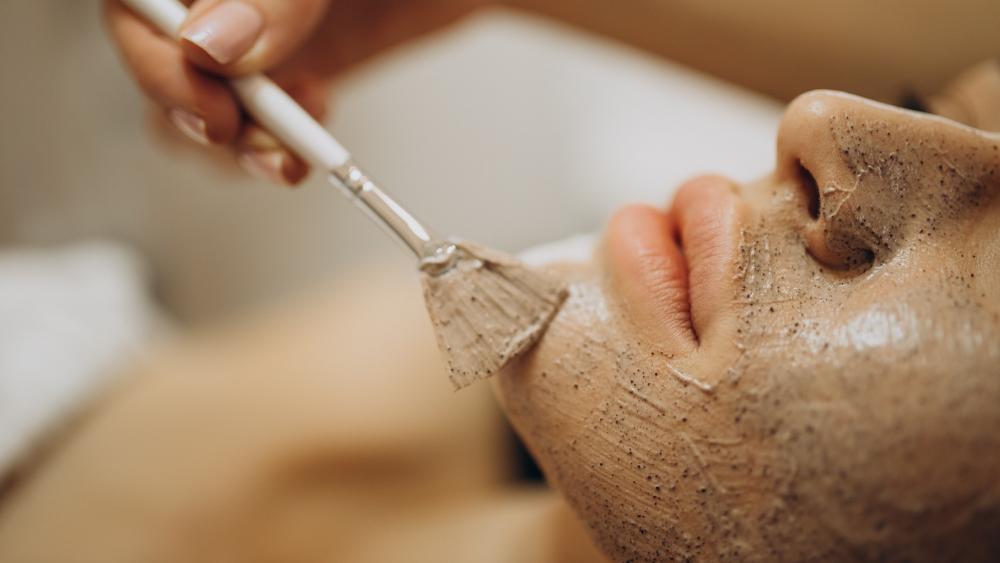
(266, 165)
(190, 124)
(227, 31)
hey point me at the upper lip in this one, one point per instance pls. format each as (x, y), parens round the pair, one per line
(674, 270)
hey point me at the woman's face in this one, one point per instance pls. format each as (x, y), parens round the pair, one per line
(803, 367)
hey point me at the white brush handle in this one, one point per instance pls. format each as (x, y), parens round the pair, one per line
(262, 98)
(286, 120)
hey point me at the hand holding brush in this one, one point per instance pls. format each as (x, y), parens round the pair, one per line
(487, 308)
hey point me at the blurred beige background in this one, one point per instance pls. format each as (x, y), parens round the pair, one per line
(505, 129)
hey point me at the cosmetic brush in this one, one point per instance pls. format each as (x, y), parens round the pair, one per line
(486, 307)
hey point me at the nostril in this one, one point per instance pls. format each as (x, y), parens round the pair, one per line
(859, 260)
(867, 257)
(810, 189)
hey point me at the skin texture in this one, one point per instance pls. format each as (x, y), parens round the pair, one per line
(804, 368)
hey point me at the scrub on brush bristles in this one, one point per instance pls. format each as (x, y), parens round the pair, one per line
(487, 309)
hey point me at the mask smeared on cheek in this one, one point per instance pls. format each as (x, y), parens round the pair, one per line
(855, 380)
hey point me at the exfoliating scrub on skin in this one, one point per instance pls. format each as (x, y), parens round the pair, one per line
(801, 368)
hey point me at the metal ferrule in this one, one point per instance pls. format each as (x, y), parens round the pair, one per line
(435, 255)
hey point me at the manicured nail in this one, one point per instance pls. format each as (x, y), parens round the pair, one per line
(227, 31)
(267, 165)
(190, 124)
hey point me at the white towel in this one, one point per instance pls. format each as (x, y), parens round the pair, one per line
(577, 248)
(68, 318)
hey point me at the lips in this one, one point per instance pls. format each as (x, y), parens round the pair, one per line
(673, 272)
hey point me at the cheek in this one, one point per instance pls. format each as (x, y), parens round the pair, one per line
(652, 466)
(552, 389)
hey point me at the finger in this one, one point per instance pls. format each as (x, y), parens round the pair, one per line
(235, 37)
(199, 105)
(261, 154)
(312, 93)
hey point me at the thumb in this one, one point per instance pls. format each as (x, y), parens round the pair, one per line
(235, 37)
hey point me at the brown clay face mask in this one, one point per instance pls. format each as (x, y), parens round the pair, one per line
(803, 368)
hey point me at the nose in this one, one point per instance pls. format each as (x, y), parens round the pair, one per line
(871, 178)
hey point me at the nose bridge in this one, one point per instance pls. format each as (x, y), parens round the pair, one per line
(881, 172)
(839, 137)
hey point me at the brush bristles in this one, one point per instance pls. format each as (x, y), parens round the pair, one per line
(487, 310)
